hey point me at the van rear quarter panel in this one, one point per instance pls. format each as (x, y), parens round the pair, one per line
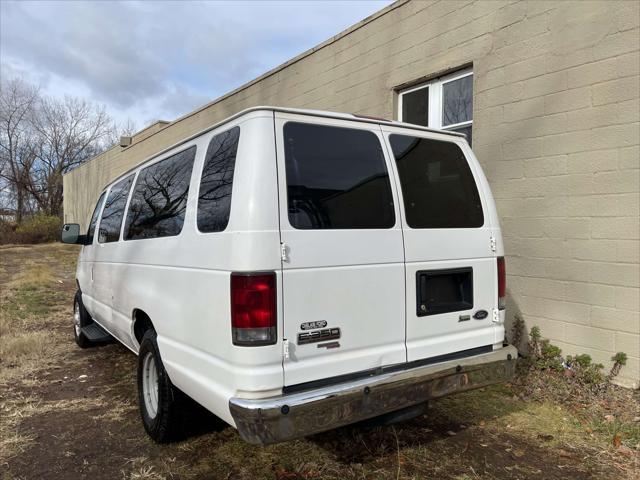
(183, 282)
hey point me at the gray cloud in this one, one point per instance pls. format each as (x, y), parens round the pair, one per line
(160, 59)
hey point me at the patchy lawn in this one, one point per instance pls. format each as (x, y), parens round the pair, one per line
(71, 413)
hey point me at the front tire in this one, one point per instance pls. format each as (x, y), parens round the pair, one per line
(81, 319)
(159, 401)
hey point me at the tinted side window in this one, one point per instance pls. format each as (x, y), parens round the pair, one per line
(437, 184)
(214, 200)
(336, 178)
(94, 219)
(113, 211)
(159, 200)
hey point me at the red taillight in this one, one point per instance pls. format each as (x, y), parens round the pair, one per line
(502, 283)
(253, 308)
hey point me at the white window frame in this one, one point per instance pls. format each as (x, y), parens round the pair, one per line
(435, 99)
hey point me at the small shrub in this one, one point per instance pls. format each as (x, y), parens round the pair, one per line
(517, 332)
(619, 360)
(584, 370)
(583, 360)
(8, 233)
(550, 357)
(535, 346)
(39, 228)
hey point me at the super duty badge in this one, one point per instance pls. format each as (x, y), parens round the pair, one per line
(313, 325)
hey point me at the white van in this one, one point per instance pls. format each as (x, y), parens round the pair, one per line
(294, 271)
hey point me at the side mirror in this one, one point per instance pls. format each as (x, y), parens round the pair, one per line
(71, 234)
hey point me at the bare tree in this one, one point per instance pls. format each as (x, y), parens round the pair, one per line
(42, 138)
(127, 128)
(67, 133)
(17, 104)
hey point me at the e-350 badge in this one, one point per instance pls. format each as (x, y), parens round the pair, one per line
(320, 336)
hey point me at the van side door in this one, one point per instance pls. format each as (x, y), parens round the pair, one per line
(342, 252)
(109, 242)
(451, 271)
(87, 258)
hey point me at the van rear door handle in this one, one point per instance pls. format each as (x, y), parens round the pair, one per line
(284, 252)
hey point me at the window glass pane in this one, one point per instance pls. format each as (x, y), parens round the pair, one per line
(415, 107)
(214, 200)
(457, 101)
(94, 219)
(437, 184)
(159, 199)
(113, 211)
(336, 178)
(466, 129)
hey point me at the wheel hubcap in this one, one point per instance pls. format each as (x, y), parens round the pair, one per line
(150, 385)
(76, 318)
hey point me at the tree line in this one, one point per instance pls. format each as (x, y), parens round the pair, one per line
(42, 138)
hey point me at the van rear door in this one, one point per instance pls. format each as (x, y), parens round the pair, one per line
(343, 260)
(447, 216)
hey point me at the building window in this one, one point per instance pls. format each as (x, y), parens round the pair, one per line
(444, 103)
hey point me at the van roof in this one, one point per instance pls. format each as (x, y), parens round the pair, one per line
(298, 111)
(343, 116)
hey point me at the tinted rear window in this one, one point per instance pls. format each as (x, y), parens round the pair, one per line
(437, 184)
(214, 199)
(159, 200)
(113, 211)
(336, 178)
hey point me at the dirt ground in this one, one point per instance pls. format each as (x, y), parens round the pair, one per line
(67, 413)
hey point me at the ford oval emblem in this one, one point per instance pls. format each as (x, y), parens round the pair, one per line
(481, 315)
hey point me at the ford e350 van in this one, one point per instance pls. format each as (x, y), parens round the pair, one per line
(294, 271)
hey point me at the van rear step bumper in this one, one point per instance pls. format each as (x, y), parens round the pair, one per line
(289, 416)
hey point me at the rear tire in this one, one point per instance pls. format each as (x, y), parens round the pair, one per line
(159, 401)
(81, 319)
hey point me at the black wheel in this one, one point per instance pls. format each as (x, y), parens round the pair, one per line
(81, 319)
(159, 401)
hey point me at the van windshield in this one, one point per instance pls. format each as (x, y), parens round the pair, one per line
(437, 184)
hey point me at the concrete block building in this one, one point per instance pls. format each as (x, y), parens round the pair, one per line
(547, 92)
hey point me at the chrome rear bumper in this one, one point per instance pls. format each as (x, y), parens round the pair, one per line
(277, 419)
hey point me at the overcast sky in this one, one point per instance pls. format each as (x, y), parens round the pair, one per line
(153, 60)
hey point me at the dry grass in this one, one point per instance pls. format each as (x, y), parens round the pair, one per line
(33, 275)
(140, 469)
(29, 303)
(20, 347)
(118, 409)
(17, 408)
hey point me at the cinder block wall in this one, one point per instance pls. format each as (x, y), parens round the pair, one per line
(556, 128)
